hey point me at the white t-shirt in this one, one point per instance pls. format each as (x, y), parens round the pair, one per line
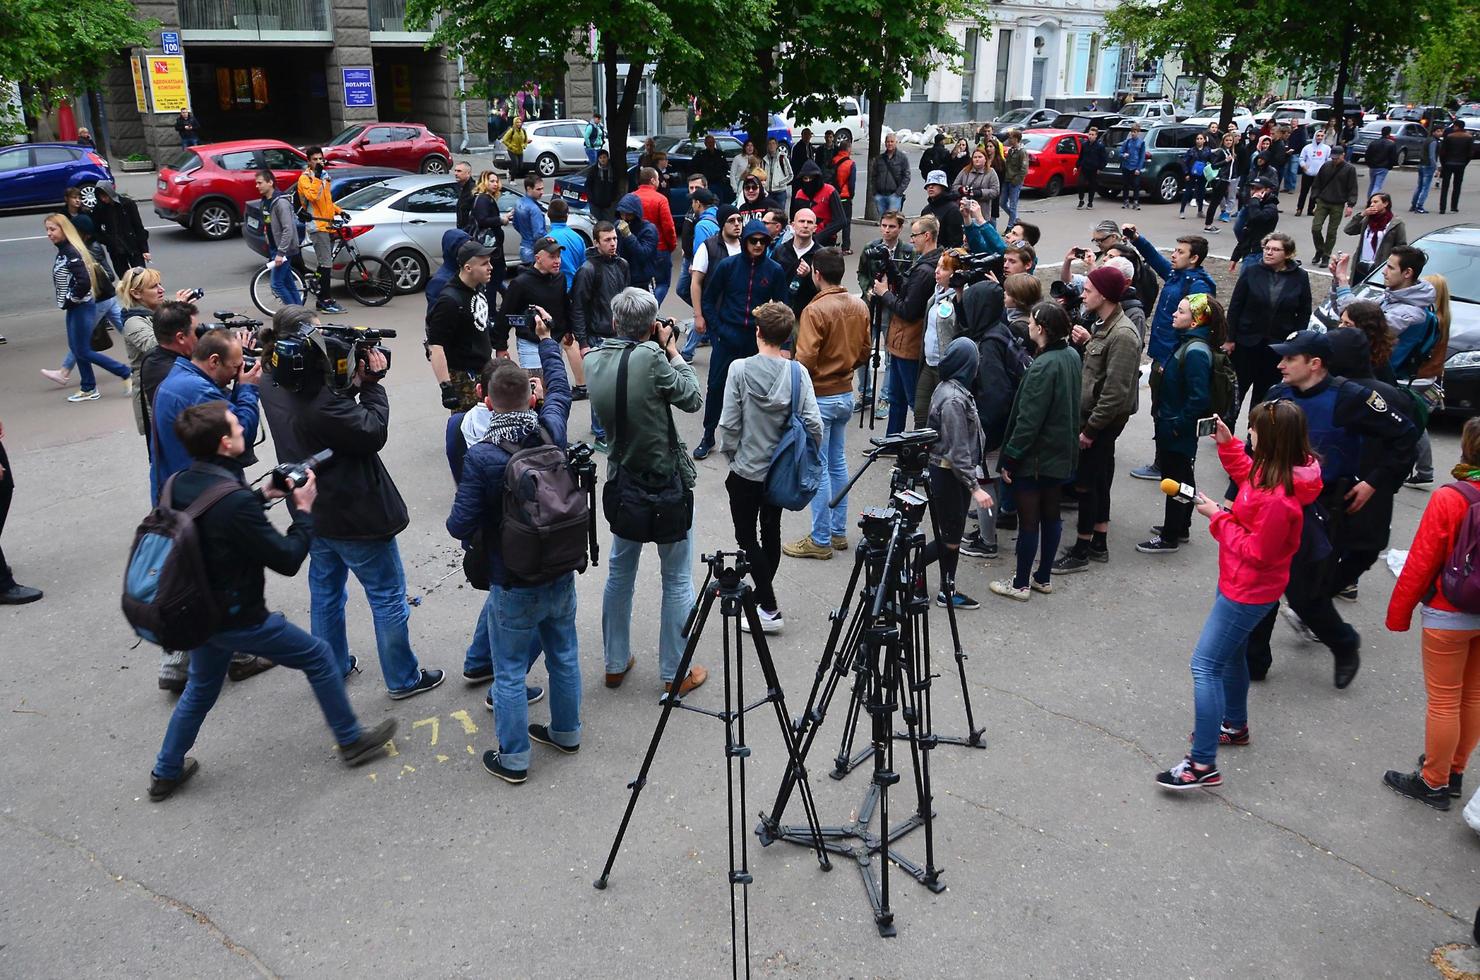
(701, 258)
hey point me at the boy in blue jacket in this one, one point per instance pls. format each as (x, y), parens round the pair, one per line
(1132, 162)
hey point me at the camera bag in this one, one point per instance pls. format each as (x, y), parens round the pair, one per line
(660, 509)
(543, 532)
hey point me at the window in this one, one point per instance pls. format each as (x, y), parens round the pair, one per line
(406, 133)
(1067, 145)
(1004, 61)
(48, 156)
(565, 131)
(380, 134)
(507, 199)
(277, 158)
(240, 160)
(430, 200)
(917, 86)
(968, 64)
(14, 160)
(1091, 75)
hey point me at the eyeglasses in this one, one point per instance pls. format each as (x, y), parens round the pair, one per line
(918, 234)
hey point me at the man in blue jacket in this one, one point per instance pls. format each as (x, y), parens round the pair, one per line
(1132, 162)
(637, 241)
(1184, 275)
(521, 619)
(732, 290)
(529, 218)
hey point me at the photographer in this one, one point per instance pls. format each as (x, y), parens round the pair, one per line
(523, 618)
(363, 511)
(215, 362)
(883, 254)
(143, 293)
(942, 315)
(457, 337)
(906, 304)
(597, 283)
(313, 189)
(642, 366)
(237, 541)
(539, 287)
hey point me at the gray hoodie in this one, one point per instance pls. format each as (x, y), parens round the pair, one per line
(757, 410)
(1403, 308)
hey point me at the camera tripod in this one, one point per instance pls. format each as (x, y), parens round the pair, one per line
(724, 581)
(886, 645)
(878, 322)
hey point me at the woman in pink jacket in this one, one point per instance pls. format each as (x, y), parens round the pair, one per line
(1256, 540)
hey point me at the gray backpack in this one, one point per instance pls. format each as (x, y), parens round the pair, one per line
(543, 534)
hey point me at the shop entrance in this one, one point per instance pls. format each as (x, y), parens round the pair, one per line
(259, 93)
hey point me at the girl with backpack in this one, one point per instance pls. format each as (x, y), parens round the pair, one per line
(1041, 448)
(1184, 395)
(1276, 478)
(1447, 534)
(76, 278)
(1221, 190)
(956, 477)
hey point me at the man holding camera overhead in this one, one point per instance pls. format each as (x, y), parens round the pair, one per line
(458, 343)
(361, 512)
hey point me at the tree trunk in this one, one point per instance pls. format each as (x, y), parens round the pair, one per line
(1343, 69)
(619, 108)
(876, 106)
(759, 123)
(1233, 74)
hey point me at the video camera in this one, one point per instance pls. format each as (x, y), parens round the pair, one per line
(911, 449)
(1066, 294)
(977, 267)
(288, 477)
(227, 320)
(335, 350)
(884, 265)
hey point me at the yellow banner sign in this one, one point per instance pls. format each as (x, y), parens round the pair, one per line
(139, 99)
(167, 82)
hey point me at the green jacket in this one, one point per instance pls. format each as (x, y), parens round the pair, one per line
(1016, 165)
(1112, 371)
(1043, 427)
(655, 386)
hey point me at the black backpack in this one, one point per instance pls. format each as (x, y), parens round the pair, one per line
(166, 596)
(543, 533)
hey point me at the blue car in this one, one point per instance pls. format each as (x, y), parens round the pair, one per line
(343, 181)
(36, 175)
(778, 131)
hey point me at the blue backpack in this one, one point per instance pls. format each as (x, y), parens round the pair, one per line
(796, 466)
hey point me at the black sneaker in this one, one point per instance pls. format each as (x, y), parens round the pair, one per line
(1349, 593)
(496, 768)
(370, 743)
(1156, 546)
(579, 393)
(1071, 561)
(534, 695)
(1182, 538)
(1456, 779)
(1345, 671)
(1101, 555)
(960, 600)
(429, 679)
(975, 547)
(161, 788)
(1007, 520)
(1411, 785)
(1184, 775)
(702, 450)
(480, 676)
(541, 734)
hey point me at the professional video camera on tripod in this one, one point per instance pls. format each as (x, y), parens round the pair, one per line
(337, 351)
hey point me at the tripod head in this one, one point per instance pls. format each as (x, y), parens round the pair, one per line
(729, 575)
(912, 455)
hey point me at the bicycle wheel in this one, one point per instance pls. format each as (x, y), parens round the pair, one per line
(262, 295)
(369, 282)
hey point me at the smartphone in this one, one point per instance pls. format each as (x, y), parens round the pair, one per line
(1207, 426)
(1081, 253)
(533, 390)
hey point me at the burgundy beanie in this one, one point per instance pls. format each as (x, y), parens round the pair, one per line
(1110, 282)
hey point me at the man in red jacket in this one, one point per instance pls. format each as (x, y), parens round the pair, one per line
(655, 208)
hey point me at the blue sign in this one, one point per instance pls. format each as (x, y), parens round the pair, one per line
(359, 87)
(170, 41)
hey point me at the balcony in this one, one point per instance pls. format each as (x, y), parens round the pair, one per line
(388, 23)
(255, 20)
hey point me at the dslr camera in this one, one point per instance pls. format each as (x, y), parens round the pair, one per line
(976, 268)
(288, 477)
(227, 320)
(1067, 295)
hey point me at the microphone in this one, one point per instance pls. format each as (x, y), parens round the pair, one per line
(1183, 492)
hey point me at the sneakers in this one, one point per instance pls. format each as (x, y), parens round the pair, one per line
(1228, 736)
(1007, 590)
(1349, 593)
(1182, 538)
(974, 547)
(1294, 621)
(1409, 784)
(703, 450)
(480, 676)
(19, 595)
(1414, 482)
(881, 409)
(807, 548)
(85, 396)
(240, 670)
(694, 678)
(329, 306)
(541, 734)
(429, 679)
(354, 667)
(1156, 546)
(1101, 555)
(1456, 779)
(1042, 588)
(1147, 472)
(579, 393)
(959, 599)
(840, 542)
(495, 767)
(1007, 520)
(161, 788)
(534, 695)
(601, 446)
(1069, 562)
(59, 378)
(771, 622)
(370, 743)
(1185, 775)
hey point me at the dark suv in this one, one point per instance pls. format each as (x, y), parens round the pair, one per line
(1165, 145)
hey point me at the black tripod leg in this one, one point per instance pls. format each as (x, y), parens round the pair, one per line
(915, 684)
(669, 701)
(736, 752)
(884, 775)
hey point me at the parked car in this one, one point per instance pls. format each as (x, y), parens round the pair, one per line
(1024, 119)
(680, 148)
(1425, 115)
(779, 130)
(1242, 118)
(206, 188)
(401, 222)
(1080, 122)
(1454, 253)
(1410, 137)
(851, 124)
(406, 146)
(34, 175)
(1150, 111)
(1161, 180)
(1305, 106)
(343, 181)
(1053, 155)
(555, 146)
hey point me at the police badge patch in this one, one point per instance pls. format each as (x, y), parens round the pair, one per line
(1376, 402)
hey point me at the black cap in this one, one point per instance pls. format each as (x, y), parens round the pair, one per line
(703, 196)
(1261, 182)
(471, 249)
(548, 244)
(1306, 342)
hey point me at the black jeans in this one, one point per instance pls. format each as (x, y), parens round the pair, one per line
(1096, 472)
(950, 500)
(748, 509)
(1177, 517)
(1089, 182)
(7, 491)
(1447, 174)
(1309, 595)
(1194, 192)
(1306, 180)
(721, 356)
(1257, 368)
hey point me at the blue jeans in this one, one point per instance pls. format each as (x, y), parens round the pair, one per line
(80, 322)
(888, 202)
(481, 656)
(279, 641)
(377, 564)
(1292, 170)
(1220, 673)
(1010, 195)
(597, 429)
(186, 141)
(1421, 192)
(1376, 178)
(663, 276)
(108, 310)
(828, 522)
(616, 602)
(283, 286)
(691, 344)
(591, 153)
(904, 375)
(525, 620)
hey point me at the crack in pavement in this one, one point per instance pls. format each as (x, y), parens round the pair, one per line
(1008, 817)
(167, 901)
(1238, 808)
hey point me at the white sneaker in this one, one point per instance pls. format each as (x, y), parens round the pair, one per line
(85, 396)
(1298, 625)
(128, 385)
(1006, 589)
(59, 378)
(770, 622)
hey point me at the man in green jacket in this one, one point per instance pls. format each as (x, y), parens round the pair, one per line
(1015, 171)
(645, 444)
(1107, 400)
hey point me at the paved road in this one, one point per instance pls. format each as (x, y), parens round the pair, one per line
(1061, 858)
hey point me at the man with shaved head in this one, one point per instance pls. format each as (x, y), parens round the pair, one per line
(798, 288)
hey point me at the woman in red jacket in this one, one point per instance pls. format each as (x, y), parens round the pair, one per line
(1256, 540)
(1451, 639)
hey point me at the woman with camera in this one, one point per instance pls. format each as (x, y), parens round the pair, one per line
(1041, 448)
(955, 464)
(141, 292)
(978, 182)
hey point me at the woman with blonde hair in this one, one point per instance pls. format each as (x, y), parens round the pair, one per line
(488, 222)
(75, 279)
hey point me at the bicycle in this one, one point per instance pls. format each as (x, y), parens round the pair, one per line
(367, 278)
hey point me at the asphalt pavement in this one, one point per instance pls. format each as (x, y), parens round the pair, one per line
(1060, 856)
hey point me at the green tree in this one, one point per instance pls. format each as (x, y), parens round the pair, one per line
(1445, 66)
(694, 47)
(61, 49)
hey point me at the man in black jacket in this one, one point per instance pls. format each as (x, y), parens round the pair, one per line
(1093, 155)
(463, 174)
(1333, 195)
(1260, 217)
(119, 228)
(458, 339)
(538, 286)
(237, 542)
(601, 187)
(715, 166)
(944, 205)
(174, 335)
(1382, 156)
(363, 511)
(935, 158)
(1455, 151)
(602, 277)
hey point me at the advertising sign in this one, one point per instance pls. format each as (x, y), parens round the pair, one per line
(359, 87)
(140, 101)
(167, 83)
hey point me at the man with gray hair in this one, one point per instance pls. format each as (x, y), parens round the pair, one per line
(641, 368)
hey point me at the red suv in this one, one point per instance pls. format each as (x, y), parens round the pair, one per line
(206, 188)
(407, 146)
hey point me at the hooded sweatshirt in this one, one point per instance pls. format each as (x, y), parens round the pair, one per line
(1403, 308)
(737, 286)
(815, 193)
(953, 415)
(757, 410)
(640, 247)
(451, 242)
(1261, 533)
